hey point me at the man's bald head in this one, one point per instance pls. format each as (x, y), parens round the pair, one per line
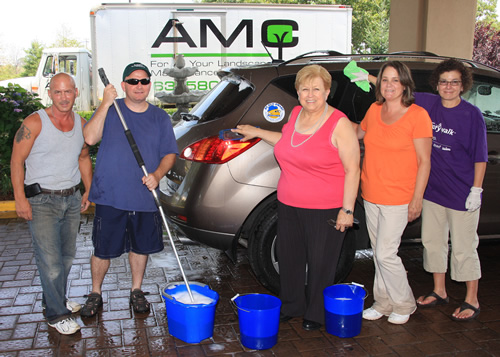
(62, 77)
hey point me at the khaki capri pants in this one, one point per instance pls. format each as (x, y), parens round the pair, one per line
(440, 224)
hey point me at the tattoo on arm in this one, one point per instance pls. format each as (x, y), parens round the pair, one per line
(23, 133)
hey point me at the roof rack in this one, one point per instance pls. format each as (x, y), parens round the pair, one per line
(318, 53)
(422, 53)
(329, 55)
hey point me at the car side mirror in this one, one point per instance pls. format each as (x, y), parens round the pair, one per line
(484, 90)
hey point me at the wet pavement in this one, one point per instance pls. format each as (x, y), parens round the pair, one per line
(117, 331)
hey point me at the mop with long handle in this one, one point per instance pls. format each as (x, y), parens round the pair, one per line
(140, 161)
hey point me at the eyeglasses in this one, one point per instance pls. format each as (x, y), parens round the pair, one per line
(134, 82)
(453, 83)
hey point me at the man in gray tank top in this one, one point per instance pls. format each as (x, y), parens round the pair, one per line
(50, 145)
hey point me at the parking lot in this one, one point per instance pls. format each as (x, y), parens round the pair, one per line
(117, 332)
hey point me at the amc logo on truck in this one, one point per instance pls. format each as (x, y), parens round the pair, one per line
(274, 33)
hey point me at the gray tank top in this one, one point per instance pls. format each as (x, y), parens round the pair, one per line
(53, 160)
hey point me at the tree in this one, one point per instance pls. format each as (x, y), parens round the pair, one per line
(65, 38)
(32, 59)
(11, 64)
(313, 2)
(9, 71)
(370, 25)
(487, 34)
(486, 45)
(486, 13)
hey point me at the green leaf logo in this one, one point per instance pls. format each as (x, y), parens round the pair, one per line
(279, 34)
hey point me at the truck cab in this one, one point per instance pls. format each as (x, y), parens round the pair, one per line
(74, 61)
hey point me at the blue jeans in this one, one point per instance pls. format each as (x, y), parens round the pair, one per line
(54, 227)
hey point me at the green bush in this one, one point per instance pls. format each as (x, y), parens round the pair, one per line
(94, 148)
(15, 104)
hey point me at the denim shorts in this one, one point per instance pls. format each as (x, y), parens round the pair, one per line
(116, 232)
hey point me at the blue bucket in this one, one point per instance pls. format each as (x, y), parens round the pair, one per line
(344, 309)
(190, 323)
(259, 319)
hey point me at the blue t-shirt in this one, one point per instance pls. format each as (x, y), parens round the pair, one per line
(117, 180)
(459, 142)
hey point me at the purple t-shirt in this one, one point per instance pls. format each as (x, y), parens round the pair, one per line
(459, 142)
(117, 180)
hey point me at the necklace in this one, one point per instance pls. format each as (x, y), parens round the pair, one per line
(70, 133)
(315, 129)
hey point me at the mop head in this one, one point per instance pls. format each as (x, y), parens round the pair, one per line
(357, 75)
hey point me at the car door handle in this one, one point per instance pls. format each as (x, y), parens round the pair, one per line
(493, 157)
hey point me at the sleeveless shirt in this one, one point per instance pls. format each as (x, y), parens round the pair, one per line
(312, 175)
(53, 160)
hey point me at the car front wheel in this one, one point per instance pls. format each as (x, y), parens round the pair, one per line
(262, 251)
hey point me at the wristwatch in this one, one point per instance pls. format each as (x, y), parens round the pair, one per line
(347, 211)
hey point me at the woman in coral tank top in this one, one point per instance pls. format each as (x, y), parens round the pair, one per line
(318, 153)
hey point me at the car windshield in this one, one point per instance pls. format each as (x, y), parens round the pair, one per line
(230, 92)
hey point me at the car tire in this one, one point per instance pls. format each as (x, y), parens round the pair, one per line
(262, 251)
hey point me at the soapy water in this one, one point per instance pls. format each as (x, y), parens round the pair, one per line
(199, 299)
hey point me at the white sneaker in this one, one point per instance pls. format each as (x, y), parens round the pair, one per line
(73, 306)
(66, 327)
(398, 319)
(371, 314)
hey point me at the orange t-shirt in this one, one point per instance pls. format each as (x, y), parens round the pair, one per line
(390, 163)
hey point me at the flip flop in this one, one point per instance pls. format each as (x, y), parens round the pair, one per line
(439, 300)
(467, 306)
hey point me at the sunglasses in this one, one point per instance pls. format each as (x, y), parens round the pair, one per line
(134, 82)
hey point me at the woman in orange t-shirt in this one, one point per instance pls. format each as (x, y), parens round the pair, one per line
(397, 136)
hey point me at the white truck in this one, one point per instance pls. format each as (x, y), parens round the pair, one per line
(75, 61)
(210, 36)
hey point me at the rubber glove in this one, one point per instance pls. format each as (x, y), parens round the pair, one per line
(357, 75)
(473, 201)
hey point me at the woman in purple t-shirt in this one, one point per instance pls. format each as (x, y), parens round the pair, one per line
(453, 195)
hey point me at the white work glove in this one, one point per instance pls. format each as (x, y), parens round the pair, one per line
(360, 76)
(473, 201)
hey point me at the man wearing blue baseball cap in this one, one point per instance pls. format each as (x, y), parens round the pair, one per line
(126, 217)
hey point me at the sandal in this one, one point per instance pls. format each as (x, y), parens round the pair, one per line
(439, 300)
(92, 305)
(467, 306)
(139, 302)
